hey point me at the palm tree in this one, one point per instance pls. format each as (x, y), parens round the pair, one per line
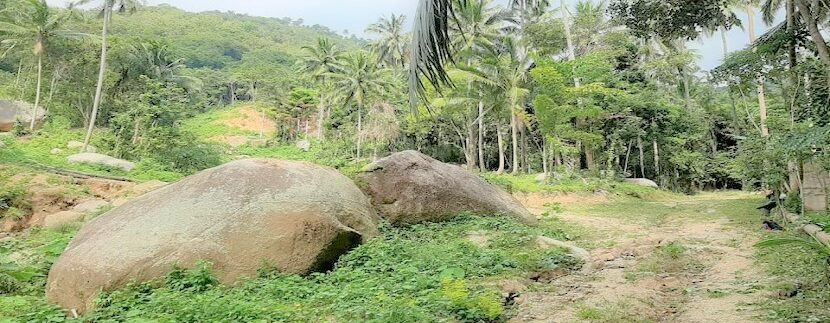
(154, 60)
(33, 27)
(391, 46)
(319, 61)
(106, 10)
(359, 79)
(479, 29)
(506, 74)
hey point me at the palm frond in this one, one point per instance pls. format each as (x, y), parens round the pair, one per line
(430, 47)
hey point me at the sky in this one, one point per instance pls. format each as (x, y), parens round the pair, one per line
(355, 15)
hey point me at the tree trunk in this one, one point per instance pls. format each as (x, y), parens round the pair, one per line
(37, 92)
(481, 164)
(762, 99)
(545, 169)
(500, 139)
(627, 155)
(656, 161)
(642, 156)
(52, 85)
(815, 32)
(470, 147)
(102, 69)
(321, 115)
(514, 128)
(359, 128)
(724, 43)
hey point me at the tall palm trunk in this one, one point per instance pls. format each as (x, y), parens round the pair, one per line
(321, 115)
(481, 165)
(359, 127)
(815, 32)
(762, 98)
(514, 129)
(37, 91)
(500, 140)
(102, 69)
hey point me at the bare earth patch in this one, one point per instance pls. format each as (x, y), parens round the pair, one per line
(682, 269)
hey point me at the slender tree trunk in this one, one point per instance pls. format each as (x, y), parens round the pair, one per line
(37, 92)
(514, 128)
(724, 42)
(19, 72)
(762, 98)
(102, 69)
(545, 169)
(627, 155)
(52, 85)
(815, 32)
(642, 156)
(500, 139)
(321, 115)
(359, 128)
(481, 164)
(470, 147)
(525, 160)
(656, 161)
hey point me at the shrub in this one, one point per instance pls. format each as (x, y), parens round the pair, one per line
(14, 202)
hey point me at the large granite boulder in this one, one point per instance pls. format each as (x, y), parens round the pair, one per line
(295, 216)
(11, 111)
(410, 187)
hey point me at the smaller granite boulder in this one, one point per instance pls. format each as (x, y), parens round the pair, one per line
(77, 145)
(57, 220)
(304, 145)
(642, 182)
(101, 160)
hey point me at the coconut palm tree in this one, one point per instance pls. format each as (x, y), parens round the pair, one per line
(506, 74)
(749, 7)
(391, 47)
(480, 28)
(319, 61)
(360, 80)
(106, 9)
(33, 26)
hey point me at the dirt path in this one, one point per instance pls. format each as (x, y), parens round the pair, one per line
(680, 269)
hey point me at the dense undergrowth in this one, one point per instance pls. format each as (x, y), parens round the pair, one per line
(426, 272)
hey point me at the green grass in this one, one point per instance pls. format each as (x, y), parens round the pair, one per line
(36, 150)
(737, 206)
(208, 125)
(529, 184)
(422, 273)
(621, 312)
(796, 265)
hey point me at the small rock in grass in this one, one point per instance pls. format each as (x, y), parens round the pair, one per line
(77, 145)
(101, 160)
(56, 220)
